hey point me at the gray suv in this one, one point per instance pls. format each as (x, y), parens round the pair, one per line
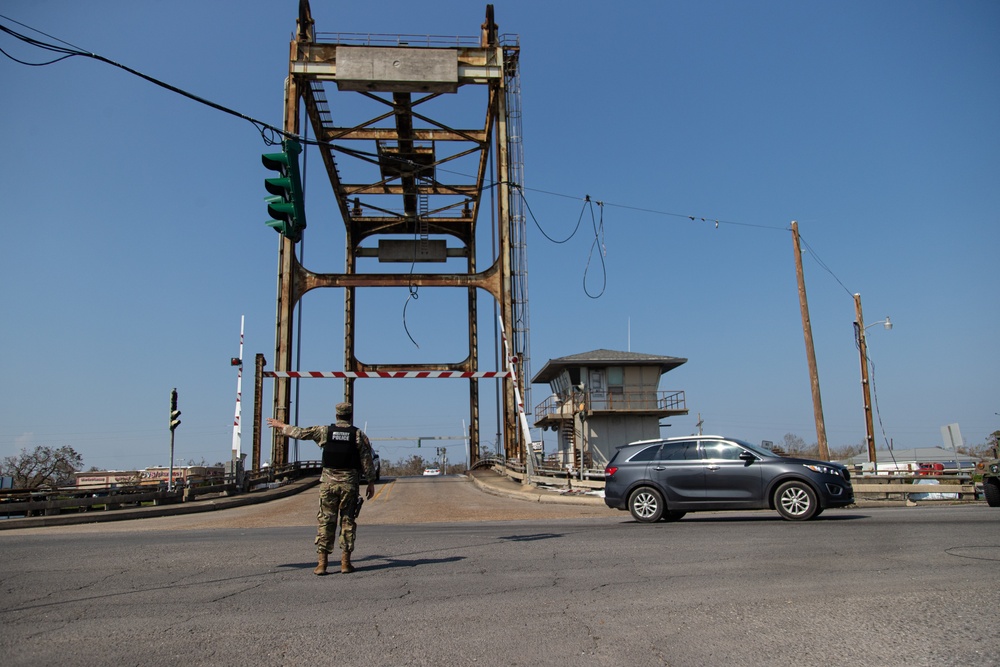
(666, 479)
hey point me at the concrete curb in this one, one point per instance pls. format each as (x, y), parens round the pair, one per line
(191, 507)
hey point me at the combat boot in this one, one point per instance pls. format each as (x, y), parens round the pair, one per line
(345, 563)
(321, 558)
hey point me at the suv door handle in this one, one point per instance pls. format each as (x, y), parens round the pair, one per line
(659, 467)
(712, 467)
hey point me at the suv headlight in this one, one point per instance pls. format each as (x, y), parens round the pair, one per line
(823, 470)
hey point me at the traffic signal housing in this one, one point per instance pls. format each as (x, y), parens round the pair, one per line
(175, 414)
(286, 206)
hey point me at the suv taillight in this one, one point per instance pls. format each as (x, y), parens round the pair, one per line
(610, 471)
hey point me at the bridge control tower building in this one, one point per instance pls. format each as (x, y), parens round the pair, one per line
(415, 186)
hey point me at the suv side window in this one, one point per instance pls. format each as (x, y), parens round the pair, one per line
(682, 450)
(716, 449)
(648, 454)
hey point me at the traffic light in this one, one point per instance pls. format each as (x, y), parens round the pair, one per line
(286, 206)
(175, 414)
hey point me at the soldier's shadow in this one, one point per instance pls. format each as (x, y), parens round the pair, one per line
(382, 563)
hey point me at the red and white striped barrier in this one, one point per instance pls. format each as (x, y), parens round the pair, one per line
(385, 374)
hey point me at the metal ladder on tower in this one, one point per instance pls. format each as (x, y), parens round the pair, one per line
(519, 248)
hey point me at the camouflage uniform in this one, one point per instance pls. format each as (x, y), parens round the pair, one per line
(338, 489)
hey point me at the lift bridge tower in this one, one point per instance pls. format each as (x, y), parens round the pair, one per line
(415, 185)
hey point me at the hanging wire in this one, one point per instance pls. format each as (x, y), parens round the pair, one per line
(871, 383)
(524, 199)
(412, 296)
(413, 288)
(823, 265)
(878, 413)
(598, 239)
(267, 131)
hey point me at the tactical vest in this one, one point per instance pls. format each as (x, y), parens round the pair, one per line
(341, 449)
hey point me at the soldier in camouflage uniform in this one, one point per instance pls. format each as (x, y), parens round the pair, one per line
(347, 454)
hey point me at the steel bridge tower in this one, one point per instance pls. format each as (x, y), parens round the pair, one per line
(428, 183)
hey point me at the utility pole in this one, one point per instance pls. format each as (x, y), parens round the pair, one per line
(258, 409)
(859, 332)
(824, 450)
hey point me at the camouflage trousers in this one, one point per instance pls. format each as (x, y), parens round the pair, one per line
(338, 493)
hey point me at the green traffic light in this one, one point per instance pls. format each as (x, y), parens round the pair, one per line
(287, 206)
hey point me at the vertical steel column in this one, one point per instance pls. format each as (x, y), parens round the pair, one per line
(258, 409)
(511, 441)
(286, 272)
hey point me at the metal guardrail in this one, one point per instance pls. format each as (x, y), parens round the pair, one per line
(591, 478)
(383, 39)
(32, 502)
(885, 486)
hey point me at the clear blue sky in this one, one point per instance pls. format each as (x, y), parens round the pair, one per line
(135, 239)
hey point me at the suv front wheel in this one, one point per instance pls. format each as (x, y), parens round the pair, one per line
(646, 505)
(796, 501)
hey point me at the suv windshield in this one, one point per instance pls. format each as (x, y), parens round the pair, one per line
(756, 449)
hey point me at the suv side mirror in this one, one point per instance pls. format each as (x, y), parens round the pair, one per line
(747, 457)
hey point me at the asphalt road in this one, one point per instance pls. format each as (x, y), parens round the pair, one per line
(873, 586)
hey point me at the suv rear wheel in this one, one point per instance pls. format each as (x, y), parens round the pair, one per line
(646, 504)
(796, 501)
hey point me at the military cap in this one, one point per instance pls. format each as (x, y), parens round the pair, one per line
(345, 409)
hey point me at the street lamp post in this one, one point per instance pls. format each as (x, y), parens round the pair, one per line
(859, 332)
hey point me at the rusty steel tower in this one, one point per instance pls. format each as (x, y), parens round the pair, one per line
(416, 187)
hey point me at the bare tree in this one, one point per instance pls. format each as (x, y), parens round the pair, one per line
(42, 466)
(794, 445)
(412, 466)
(847, 451)
(985, 450)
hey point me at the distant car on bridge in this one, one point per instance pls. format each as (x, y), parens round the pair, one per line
(431, 472)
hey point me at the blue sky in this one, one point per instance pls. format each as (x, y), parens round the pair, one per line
(135, 236)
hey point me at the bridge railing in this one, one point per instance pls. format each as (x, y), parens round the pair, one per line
(34, 502)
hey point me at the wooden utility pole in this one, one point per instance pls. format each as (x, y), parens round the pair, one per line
(824, 450)
(859, 330)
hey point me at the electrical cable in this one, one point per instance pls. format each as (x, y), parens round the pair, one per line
(598, 238)
(874, 393)
(267, 131)
(539, 225)
(413, 296)
(414, 289)
(823, 265)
